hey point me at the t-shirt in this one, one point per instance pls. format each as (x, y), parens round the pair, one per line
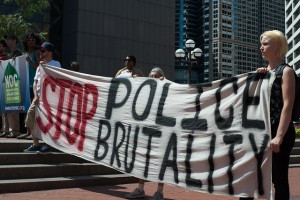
(37, 77)
(3, 57)
(32, 70)
(125, 74)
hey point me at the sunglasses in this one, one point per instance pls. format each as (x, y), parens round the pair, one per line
(127, 60)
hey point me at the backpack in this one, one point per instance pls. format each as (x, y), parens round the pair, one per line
(296, 106)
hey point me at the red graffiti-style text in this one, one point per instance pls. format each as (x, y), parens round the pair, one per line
(86, 94)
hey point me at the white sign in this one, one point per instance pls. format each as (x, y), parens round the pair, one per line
(209, 137)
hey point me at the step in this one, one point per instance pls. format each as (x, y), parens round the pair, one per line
(15, 145)
(297, 143)
(33, 158)
(52, 170)
(295, 151)
(295, 159)
(23, 185)
(294, 165)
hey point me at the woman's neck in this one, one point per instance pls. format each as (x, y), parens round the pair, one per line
(130, 68)
(273, 64)
(30, 49)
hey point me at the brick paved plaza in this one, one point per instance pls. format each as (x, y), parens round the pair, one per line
(118, 192)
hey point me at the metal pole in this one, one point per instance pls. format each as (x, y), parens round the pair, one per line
(190, 67)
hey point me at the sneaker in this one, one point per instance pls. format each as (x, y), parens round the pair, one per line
(3, 134)
(136, 194)
(12, 135)
(44, 150)
(157, 196)
(32, 149)
(23, 136)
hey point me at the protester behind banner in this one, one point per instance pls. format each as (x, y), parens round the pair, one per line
(75, 66)
(129, 70)
(47, 51)
(139, 192)
(31, 44)
(12, 120)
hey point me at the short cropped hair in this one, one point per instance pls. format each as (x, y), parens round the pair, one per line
(280, 39)
(131, 57)
(158, 70)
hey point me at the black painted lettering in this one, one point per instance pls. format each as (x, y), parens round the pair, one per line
(224, 123)
(151, 133)
(160, 119)
(102, 141)
(211, 163)
(196, 123)
(259, 154)
(248, 101)
(232, 140)
(112, 95)
(172, 145)
(116, 147)
(129, 168)
(188, 179)
(153, 86)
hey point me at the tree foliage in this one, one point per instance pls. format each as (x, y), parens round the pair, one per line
(28, 8)
(16, 23)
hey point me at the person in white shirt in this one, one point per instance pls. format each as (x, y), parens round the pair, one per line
(129, 71)
(47, 50)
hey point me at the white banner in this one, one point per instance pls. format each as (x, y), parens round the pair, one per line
(209, 137)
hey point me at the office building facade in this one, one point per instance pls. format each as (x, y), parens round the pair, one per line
(230, 33)
(292, 31)
(232, 36)
(100, 34)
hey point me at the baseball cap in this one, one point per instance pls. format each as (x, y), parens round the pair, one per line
(48, 46)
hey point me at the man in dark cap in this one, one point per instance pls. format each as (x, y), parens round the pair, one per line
(47, 51)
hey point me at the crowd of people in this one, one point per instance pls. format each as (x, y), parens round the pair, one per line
(273, 48)
(20, 125)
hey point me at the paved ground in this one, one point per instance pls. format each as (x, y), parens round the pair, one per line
(118, 191)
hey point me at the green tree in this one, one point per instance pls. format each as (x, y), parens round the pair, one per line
(17, 22)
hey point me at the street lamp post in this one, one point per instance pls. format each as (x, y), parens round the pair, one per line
(191, 55)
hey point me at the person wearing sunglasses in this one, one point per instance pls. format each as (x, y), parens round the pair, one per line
(47, 50)
(129, 71)
(31, 44)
